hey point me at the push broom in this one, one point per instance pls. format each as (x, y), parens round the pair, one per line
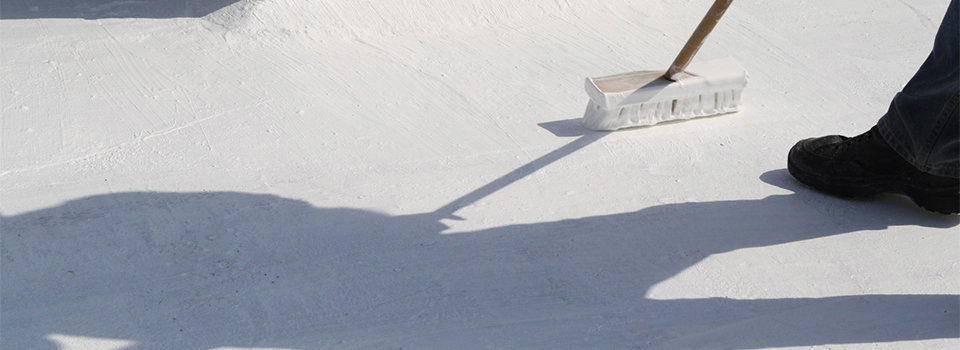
(682, 92)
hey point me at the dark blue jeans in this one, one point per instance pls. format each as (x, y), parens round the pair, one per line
(921, 124)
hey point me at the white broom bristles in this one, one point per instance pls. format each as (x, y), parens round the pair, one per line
(714, 88)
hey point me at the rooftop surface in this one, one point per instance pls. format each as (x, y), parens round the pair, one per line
(411, 174)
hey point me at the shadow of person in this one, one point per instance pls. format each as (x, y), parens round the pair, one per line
(97, 9)
(204, 270)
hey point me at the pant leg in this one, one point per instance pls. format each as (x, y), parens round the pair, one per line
(922, 121)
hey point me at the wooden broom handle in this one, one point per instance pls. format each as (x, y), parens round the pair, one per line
(696, 40)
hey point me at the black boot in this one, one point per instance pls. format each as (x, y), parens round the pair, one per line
(865, 165)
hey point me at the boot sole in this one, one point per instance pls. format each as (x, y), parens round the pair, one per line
(940, 200)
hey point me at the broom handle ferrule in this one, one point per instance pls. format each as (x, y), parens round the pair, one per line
(696, 40)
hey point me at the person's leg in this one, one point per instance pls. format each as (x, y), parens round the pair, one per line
(915, 147)
(921, 124)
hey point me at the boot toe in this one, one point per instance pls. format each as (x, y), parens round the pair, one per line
(813, 153)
